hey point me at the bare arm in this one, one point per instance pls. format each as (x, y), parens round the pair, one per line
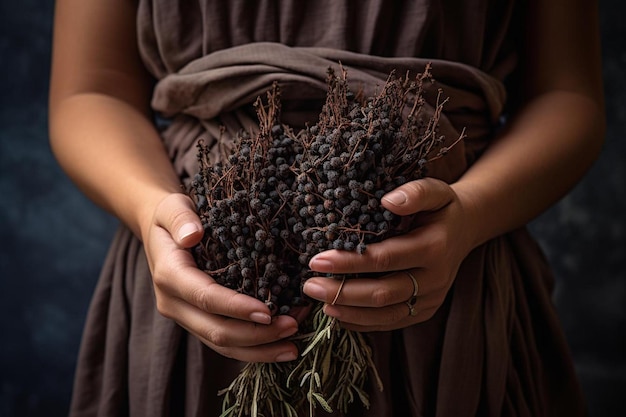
(101, 133)
(99, 116)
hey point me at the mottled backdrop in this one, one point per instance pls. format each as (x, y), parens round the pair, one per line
(52, 239)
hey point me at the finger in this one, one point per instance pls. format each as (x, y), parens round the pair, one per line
(355, 319)
(372, 317)
(201, 291)
(425, 194)
(273, 352)
(226, 332)
(176, 214)
(393, 254)
(281, 351)
(362, 292)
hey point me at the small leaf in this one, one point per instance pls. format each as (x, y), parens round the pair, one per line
(363, 397)
(316, 340)
(228, 411)
(322, 402)
(304, 378)
(326, 364)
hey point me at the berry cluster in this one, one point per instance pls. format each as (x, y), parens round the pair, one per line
(357, 152)
(243, 202)
(283, 195)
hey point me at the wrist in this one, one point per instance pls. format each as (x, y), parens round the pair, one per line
(144, 209)
(476, 230)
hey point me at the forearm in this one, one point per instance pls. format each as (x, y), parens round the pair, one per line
(549, 145)
(113, 153)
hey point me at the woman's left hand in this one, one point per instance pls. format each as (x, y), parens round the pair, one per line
(424, 260)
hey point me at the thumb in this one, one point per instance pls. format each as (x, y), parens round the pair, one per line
(176, 214)
(426, 194)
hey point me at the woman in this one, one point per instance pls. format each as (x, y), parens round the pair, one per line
(482, 337)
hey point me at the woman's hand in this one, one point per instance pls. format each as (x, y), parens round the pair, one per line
(431, 253)
(233, 324)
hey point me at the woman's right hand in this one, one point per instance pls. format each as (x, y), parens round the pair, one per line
(233, 324)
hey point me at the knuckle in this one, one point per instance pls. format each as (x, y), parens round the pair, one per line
(415, 188)
(217, 337)
(162, 272)
(236, 304)
(381, 297)
(164, 283)
(159, 278)
(164, 307)
(179, 216)
(174, 210)
(382, 260)
(198, 296)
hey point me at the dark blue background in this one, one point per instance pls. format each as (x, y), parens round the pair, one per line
(53, 239)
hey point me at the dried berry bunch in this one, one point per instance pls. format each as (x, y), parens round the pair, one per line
(357, 152)
(282, 195)
(244, 204)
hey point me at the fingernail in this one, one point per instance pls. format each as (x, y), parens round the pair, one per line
(397, 198)
(320, 264)
(187, 229)
(315, 291)
(261, 318)
(286, 356)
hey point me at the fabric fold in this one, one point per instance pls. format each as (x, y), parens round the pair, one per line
(222, 86)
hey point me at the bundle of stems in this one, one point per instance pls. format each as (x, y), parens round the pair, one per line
(281, 195)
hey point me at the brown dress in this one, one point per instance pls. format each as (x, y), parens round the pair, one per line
(495, 348)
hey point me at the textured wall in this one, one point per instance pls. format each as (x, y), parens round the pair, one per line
(52, 239)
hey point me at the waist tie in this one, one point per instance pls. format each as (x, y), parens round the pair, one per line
(217, 90)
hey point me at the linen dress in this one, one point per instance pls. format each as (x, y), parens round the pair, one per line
(494, 348)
